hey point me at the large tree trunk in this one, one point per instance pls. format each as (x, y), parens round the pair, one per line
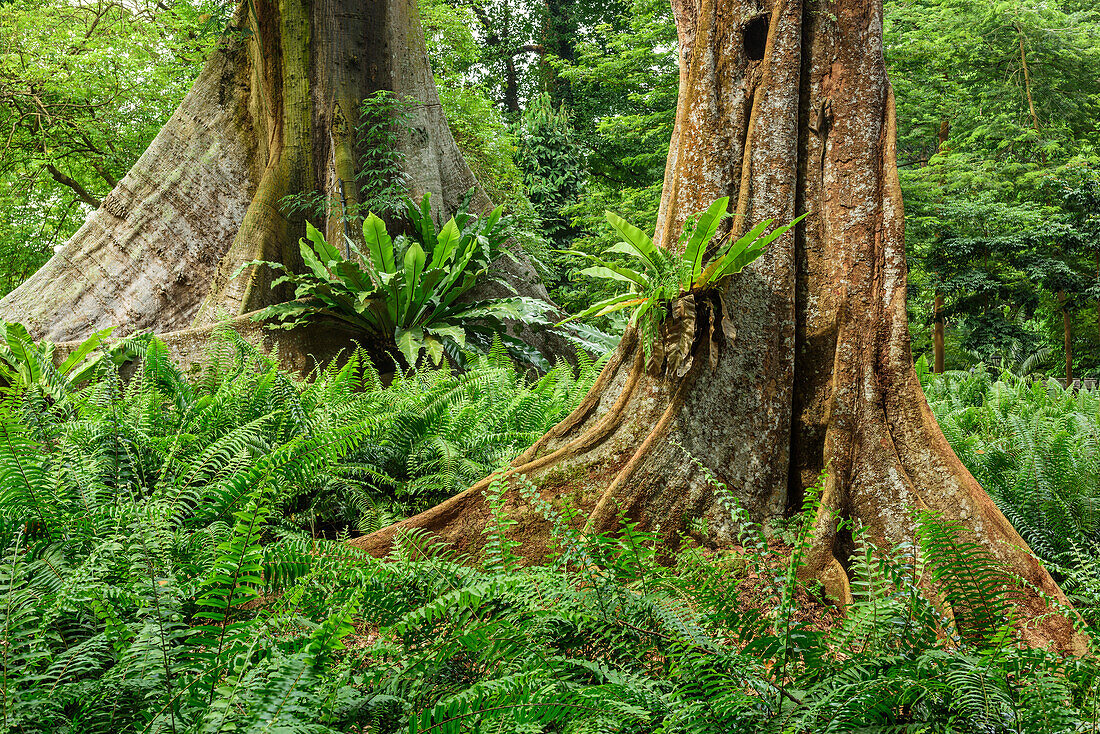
(786, 108)
(273, 114)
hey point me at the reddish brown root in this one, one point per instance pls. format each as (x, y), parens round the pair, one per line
(460, 520)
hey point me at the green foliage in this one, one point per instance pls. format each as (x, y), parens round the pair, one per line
(612, 66)
(963, 61)
(664, 277)
(28, 366)
(990, 154)
(1006, 275)
(499, 548)
(1033, 447)
(489, 147)
(154, 571)
(980, 592)
(639, 206)
(622, 79)
(153, 579)
(551, 162)
(138, 517)
(480, 128)
(439, 431)
(152, 574)
(84, 88)
(449, 36)
(383, 119)
(408, 291)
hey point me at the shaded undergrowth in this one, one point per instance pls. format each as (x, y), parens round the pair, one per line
(1035, 447)
(158, 574)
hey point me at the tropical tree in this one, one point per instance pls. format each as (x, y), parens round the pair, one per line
(802, 364)
(273, 120)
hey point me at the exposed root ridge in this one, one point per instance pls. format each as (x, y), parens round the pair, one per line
(582, 412)
(464, 508)
(451, 511)
(607, 508)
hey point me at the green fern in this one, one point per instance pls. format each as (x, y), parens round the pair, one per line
(164, 568)
(1036, 449)
(981, 594)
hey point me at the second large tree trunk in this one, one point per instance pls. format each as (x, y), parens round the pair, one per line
(785, 107)
(273, 114)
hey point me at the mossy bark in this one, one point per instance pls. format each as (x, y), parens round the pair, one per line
(272, 115)
(784, 106)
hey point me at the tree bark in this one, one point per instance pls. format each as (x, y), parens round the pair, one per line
(273, 114)
(812, 369)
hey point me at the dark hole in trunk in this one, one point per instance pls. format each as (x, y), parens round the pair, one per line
(756, 37)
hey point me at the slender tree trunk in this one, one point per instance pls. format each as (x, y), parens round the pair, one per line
(803, 363)
(1067, 339)
(559, 34)
(938, 325)
(511, 85)
(937, 337)
(272, 115)
(1027, 87)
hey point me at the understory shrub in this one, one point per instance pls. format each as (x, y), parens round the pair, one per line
(411, 292)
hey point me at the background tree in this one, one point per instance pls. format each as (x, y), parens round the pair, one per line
(994, 274)
(624, 79)
(612, 66)
(479, 125)
(993, 98)
(802, 365)
(1074, 190)
(275, 115)
(552, 165)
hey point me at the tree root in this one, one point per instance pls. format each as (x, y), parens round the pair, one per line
(616, 461)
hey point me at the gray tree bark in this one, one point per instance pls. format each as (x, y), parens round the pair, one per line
(271, 115)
